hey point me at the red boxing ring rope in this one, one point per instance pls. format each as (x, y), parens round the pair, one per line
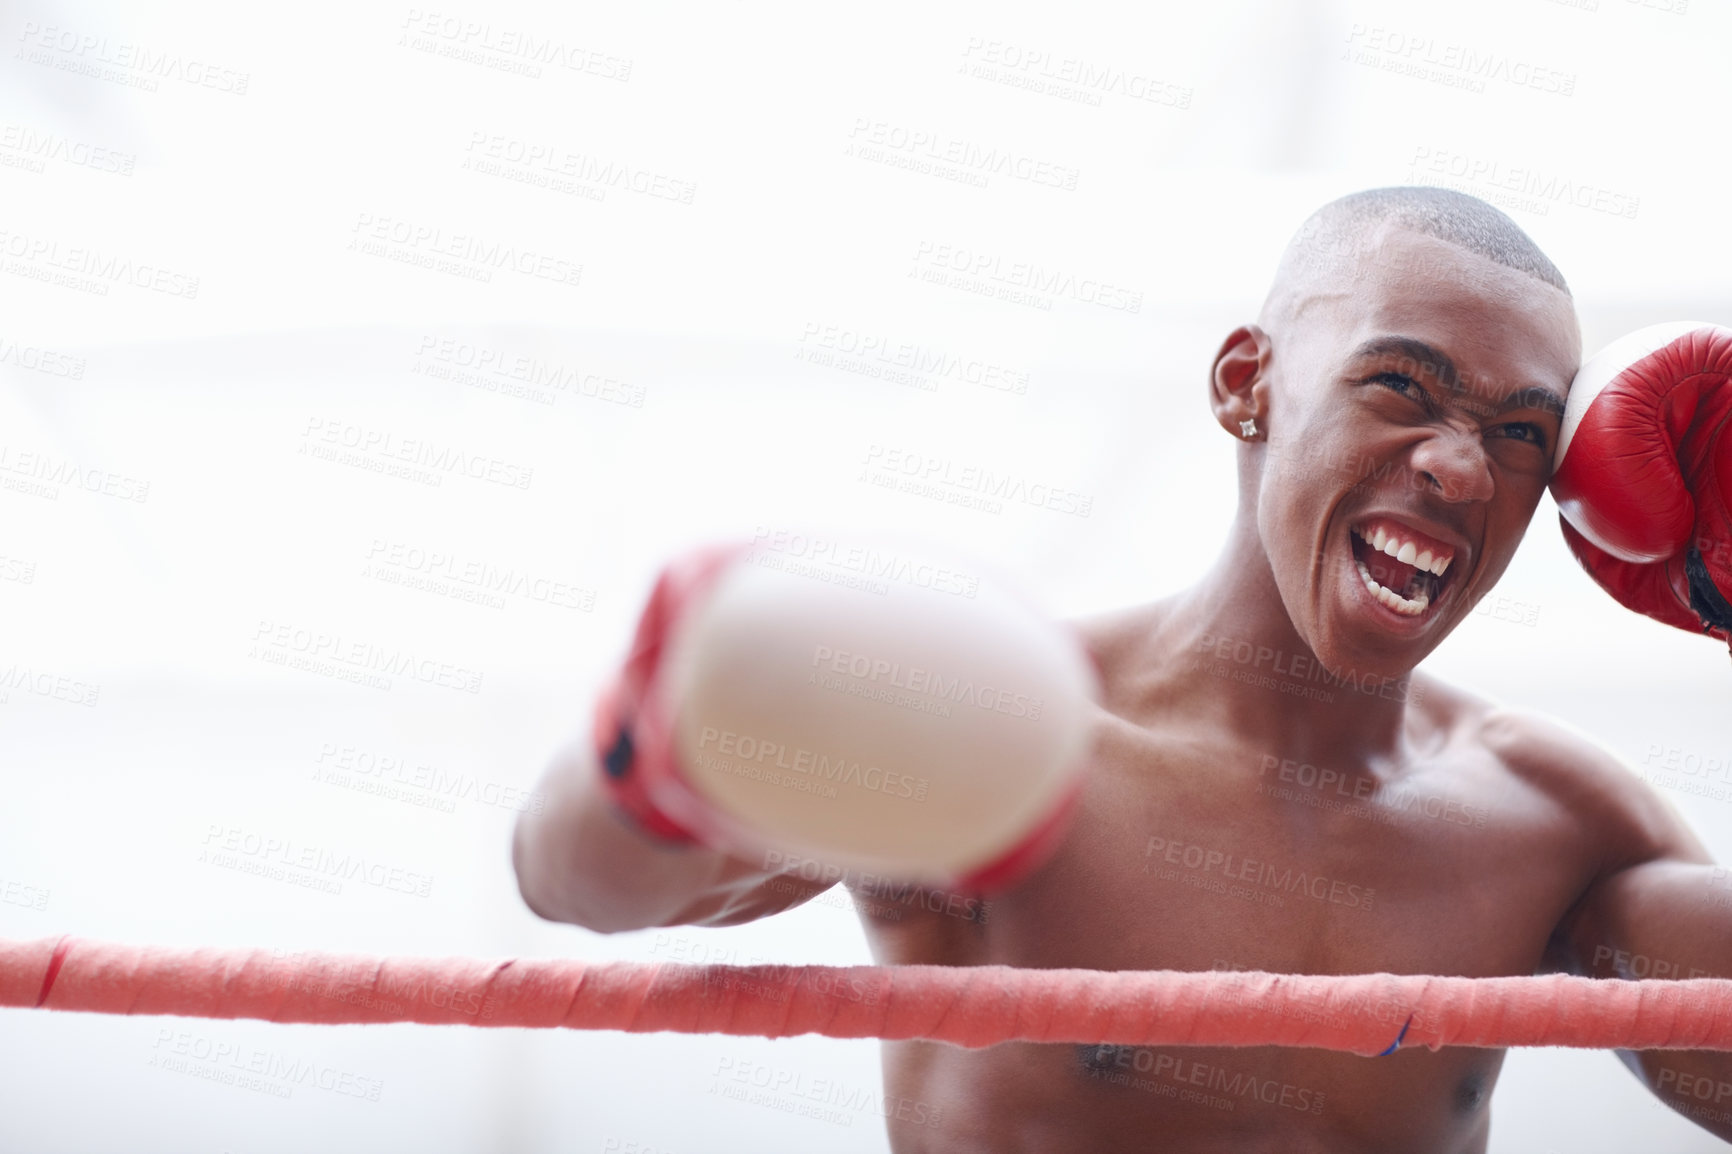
(965, 1006)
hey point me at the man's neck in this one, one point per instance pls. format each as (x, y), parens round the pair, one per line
(1237, 657)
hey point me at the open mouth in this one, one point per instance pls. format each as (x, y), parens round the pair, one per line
(1403, 569)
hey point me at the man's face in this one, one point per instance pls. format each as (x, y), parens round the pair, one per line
(1414, 410)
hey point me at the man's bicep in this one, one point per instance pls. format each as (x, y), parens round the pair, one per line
(1665, 919)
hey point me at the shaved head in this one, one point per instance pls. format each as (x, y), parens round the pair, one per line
(1338, 238)
(1410, 367)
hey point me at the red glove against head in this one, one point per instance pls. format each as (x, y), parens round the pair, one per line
(1643, 476)
(923, 735)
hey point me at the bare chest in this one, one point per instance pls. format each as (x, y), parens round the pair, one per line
(1184, 859)
(1192, 858)
(1181, 858)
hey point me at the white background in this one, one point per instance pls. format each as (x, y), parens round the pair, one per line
(704, 312)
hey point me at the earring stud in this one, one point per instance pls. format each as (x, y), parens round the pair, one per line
(1248, 428)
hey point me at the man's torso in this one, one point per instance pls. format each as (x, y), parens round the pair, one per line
(1192, 850)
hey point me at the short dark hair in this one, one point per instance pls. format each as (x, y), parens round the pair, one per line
(1455, 217)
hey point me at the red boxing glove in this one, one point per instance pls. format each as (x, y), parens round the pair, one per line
(1643, 475)
(933, 735)
(631, 729)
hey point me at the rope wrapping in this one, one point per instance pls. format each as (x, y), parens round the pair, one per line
(965, 1006)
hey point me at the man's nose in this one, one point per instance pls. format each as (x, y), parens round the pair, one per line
(1453, 464)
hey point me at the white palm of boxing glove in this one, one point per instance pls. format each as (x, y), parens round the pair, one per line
(935, 736)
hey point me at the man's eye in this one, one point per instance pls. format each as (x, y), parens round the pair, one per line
(1400, 382)
(1524, 431)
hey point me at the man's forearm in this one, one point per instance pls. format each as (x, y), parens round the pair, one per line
(580, 861)
(1695, 1083)
(1669, 920)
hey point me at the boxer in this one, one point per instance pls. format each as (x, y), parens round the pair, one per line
(1271, 783)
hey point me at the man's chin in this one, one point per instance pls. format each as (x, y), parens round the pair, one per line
(1366, 658)
(1357, 680)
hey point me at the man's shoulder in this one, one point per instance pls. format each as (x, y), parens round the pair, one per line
(1587, 781)
(1113, 636)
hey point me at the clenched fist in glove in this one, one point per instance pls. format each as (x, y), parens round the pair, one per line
(933, 735)
(1643, 476)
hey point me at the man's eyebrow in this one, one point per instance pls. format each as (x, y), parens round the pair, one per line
(1440, 366)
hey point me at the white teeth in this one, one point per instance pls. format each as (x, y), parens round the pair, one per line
(1395, 601)
(1406, 551)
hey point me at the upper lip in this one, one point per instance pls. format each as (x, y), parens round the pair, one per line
(1461, 551)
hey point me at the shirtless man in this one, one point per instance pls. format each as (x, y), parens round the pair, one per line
(1273, 787)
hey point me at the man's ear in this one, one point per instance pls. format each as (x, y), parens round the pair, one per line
(1238, 384)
